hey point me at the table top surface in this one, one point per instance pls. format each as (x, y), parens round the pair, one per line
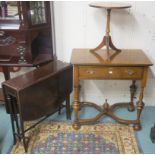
(127, 57)
(23, 81)
(110, 5)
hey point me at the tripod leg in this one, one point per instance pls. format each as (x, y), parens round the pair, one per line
(103, 43)
(112, 45)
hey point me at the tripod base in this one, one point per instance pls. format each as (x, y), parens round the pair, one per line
(107, 41)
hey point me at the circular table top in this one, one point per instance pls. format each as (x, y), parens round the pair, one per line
(110, 5)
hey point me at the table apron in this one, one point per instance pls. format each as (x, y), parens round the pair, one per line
(110, 73)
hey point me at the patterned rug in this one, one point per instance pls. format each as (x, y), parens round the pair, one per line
(61, 138)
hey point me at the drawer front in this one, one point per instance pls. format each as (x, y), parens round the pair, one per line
(98, 72)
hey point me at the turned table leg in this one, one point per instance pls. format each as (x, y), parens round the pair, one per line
(68, 109)
(76, 124)
(6, 72)
(140, 106)
(133, 89)
(140, 103)
(11, 117)
(25, 143)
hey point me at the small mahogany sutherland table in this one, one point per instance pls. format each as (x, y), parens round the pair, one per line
(129, 64)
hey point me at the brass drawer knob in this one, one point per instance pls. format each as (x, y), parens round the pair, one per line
(91, 72)
(130, 72)
(110, 71)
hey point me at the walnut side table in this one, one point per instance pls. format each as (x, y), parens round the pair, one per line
(129, 64)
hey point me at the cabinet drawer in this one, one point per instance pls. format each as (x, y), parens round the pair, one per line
(99, 72)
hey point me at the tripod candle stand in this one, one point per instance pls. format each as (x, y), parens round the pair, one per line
(107, 41)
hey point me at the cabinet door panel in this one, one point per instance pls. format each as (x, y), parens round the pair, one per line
(37, 12)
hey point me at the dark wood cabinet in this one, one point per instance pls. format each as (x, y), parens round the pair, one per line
(25, 33)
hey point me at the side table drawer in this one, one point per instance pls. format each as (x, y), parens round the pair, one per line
(99, 72)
